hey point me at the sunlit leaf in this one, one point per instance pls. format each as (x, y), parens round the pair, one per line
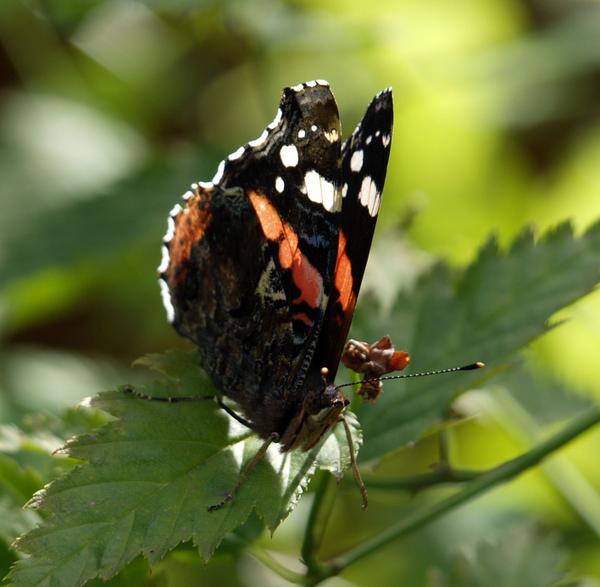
(522, 556)
(499, 304)
(149, 477)
(544, 397)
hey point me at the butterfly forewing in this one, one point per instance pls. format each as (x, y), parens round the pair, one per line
(363, 169)
(250, 257)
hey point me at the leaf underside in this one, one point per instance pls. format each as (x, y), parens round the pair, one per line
(503, 301)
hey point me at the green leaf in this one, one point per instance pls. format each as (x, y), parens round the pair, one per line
(499, 304)
(149, 477)
(545, 398)
(16, 481)
(14, 520)
(180, 368)
(522, 556)
(79, 229)
(23, 463)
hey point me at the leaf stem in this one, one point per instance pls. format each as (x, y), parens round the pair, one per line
(315, 525)
(357, 400)
(417, 482)
(444, 448)
(266, 559)
(494, 477)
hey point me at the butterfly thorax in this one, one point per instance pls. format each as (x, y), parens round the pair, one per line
(321, 409)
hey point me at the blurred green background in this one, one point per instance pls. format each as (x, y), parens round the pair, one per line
(109, 110)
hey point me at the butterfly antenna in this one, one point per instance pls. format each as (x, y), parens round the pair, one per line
(470, 367)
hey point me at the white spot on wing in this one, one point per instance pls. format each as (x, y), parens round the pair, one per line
(344, 190)
(369, 196)
(166, 299)
(311, 84)
(301, 133)
(356, 162)
(312, 182)
(313, 128)
(187, 195)
(329, 195)
(363, 194)
(236, 154)
(219, 175)
(170, 230)
(322, 82)
(385, 139)
(276, 120)
(175, 210)
(289, 155)
(260, 140)
(369, 139)
(374, 204)
(279, 184)
(164, 262)
(298, 87)
(321, 191)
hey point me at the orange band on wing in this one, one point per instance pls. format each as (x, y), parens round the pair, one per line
(269, 218)
(304, 275)
(190, 225)
(343, 276)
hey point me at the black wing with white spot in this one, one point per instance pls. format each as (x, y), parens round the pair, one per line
(363, 169)
(249, 257)
(364, 165)
(295, 160)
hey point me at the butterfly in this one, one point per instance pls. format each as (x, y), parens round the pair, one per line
(262, 266)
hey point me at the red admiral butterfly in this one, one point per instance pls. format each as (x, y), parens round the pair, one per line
(262, 266)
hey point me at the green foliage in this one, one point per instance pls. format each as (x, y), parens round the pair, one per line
(150, 475)
(78, 229)
(108, 110)
(25, 466)
(502, 302)
(520, 556)
(542, 396)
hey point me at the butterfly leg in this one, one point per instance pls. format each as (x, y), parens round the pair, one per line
(260, 453)
(354, 464)
(235, 416)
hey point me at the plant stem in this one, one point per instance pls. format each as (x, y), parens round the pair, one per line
(315, 525)
(266, 559)
(356, 400)
(444, 448)
(494, 477)
(561, 471)
(418, 482)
